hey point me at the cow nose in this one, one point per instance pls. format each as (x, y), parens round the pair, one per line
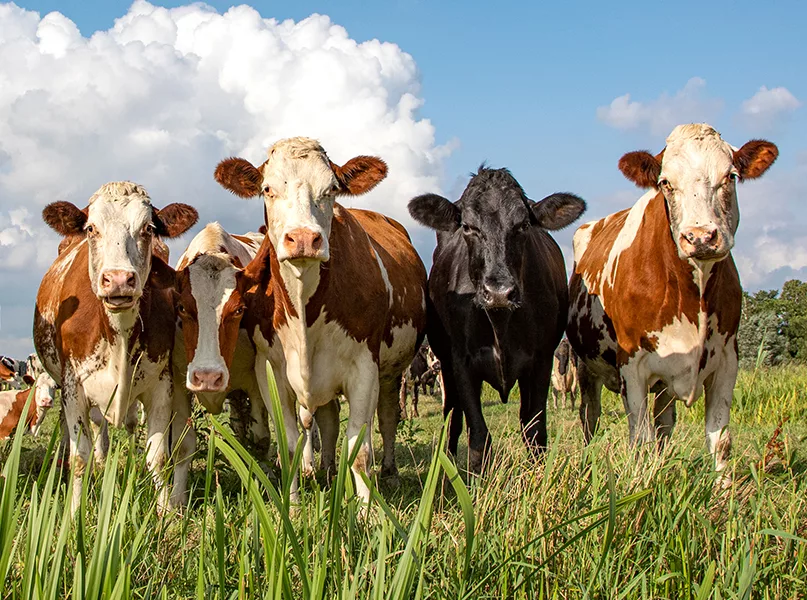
(118, 279)
(496, 296)
(302, 243)
(207, 380)
(698, 240)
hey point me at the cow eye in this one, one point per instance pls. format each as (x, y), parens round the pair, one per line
(181, 309)
(468, 229)
(239, 311)
(267, 189)
(525, 226)
(665, 185)
(149, 229)
(734, 176)
(90, 229)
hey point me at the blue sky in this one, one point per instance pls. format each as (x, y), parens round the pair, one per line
(537, 87)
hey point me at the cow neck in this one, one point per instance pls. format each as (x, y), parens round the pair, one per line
(500, 324)
(299, 284)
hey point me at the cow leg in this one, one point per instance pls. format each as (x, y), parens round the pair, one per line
(468, 390)
(590, 401)
(573, 389)
(534, 387)
(664, 416)
(402, 397)
(634, 397)
(450, 407)
(158, 407)
(287, 402)
(100, 433)
(388, 419)
(362, 397)
(327, 419)
(718, 408)
(307, 421)
(77, 422)
(183, 444)
(415, 400)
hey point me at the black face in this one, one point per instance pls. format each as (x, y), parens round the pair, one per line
(496, 219)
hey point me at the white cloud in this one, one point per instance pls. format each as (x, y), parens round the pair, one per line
(165, 94)
(768, 106)
(660, 116)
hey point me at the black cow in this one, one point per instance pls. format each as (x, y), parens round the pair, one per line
(498, 299)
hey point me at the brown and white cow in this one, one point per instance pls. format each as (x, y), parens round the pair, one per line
(564, 374)
(211, 308)
(12, 405)
(655, 295)
(339, 298)
(105, 319)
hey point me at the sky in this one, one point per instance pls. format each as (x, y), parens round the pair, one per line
(158, 93)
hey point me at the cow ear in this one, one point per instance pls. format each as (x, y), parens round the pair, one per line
(28, 379)
(754, 158)
(239, 176)
(558, 210)
(65, 218)
(435, 212)
(174, 220)
(359, 175)
(642, 168)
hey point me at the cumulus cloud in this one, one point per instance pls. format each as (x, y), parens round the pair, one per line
(165, 94)
(768, 107)
(688, 105)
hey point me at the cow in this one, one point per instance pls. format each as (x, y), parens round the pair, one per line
(421, 373)
(10, 373)
(337, 297)
(498, 292)
(655, 294)
(207, 304)
(564, 374)
(104, 326)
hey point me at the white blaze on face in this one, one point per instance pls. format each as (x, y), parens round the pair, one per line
(698, 180)
(213, 281)
(298, 189)
(120, 232)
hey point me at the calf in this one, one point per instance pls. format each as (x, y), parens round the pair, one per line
(337, 296)
(655, 294)
(498, 290)
(564, 374)
(210, 308)
(104, 323)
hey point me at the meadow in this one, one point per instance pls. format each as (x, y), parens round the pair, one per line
(603, 521)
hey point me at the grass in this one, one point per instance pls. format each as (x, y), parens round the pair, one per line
(603, 521)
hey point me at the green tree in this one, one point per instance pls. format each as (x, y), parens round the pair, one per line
(793, 302)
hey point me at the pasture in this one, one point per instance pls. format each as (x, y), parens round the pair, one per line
(603, 521)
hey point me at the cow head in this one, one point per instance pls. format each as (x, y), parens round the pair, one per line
(698, 173)
(299, 186)
(121, 227)
(211, 306)
(44, 394)
(496, 218)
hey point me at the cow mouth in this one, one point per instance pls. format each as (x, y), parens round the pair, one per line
(119, 303)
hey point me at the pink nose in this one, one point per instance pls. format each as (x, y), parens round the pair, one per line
(45, 402)
(700, 240)
(207, 380)
(302, 243)
(117, 280)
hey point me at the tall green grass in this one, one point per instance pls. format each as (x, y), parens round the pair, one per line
(601, 521)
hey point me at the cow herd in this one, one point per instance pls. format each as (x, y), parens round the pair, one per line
(337, 302)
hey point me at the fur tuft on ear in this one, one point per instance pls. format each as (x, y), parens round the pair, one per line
(754, 158)
(239, 176)
(28, 379)
(174, 220)
(642, 168)
(65, 218)
(558, 210)
(435, 212)
(359, 175)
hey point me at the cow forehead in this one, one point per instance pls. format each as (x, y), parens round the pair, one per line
(696, 149)
(298, 159)
(212, 279)
(120, 202)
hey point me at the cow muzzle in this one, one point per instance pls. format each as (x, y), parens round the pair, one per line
(303, 243)
(703, 243)
(498, 297)
(118, 289)
(207, 380)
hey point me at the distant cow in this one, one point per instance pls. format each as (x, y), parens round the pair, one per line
(498, 289)
(564, 374)
(209, 303)
(422, 372)
(655, 294)
(11, 372)
(337, 296)
(104, 324)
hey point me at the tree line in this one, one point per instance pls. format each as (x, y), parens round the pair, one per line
(773, 326)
